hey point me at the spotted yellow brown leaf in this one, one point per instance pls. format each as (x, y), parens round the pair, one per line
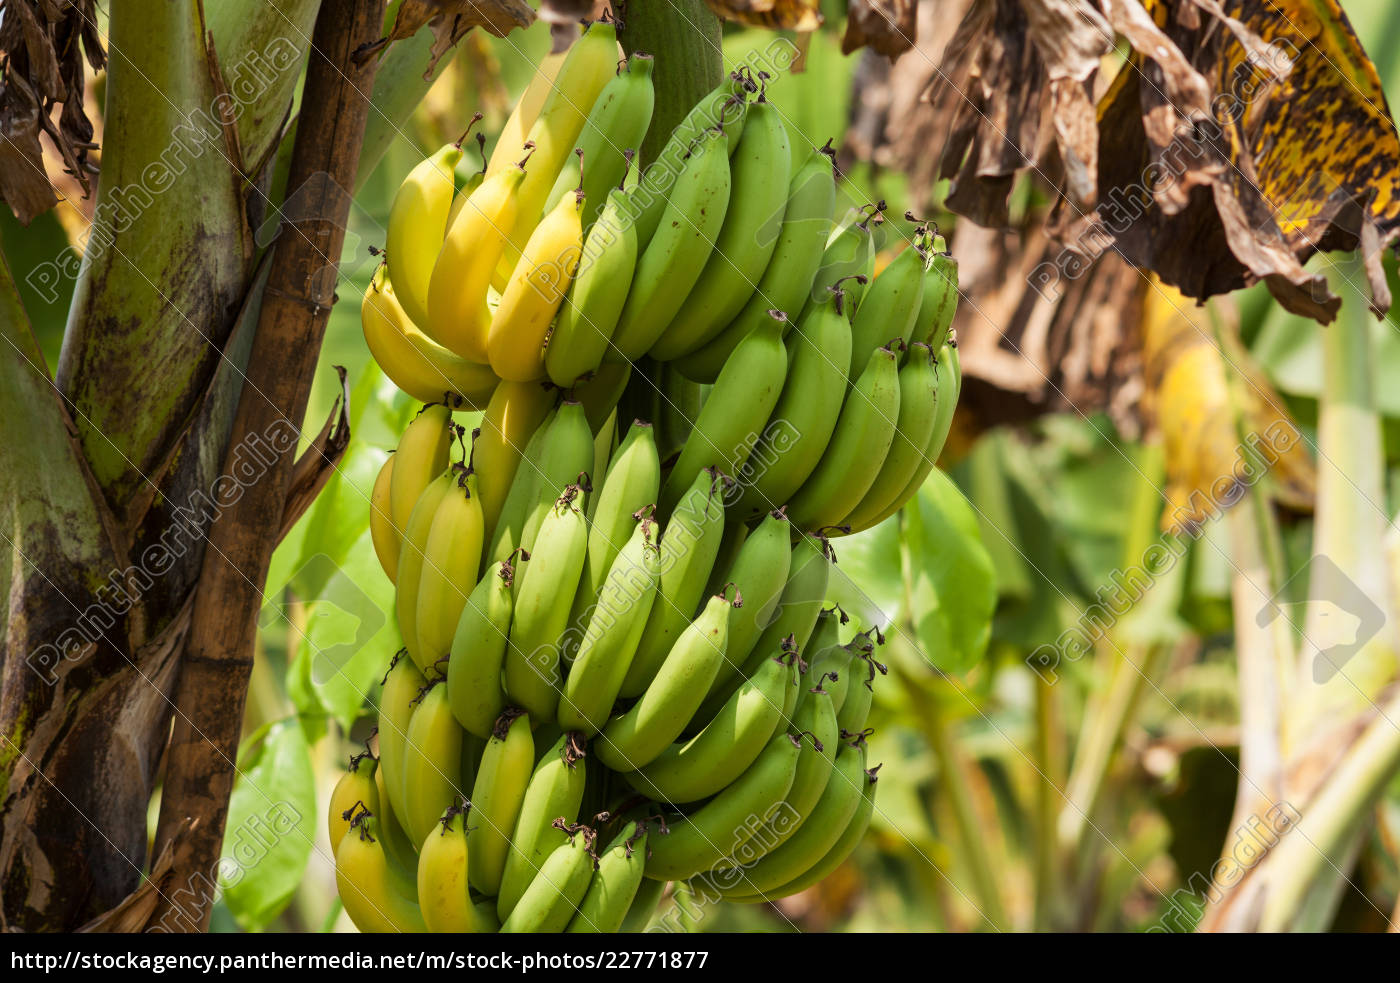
(1223, 427)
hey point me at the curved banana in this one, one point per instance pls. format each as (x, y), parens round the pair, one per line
(401, 854)
(759, 174)
(644, 905)
(401, 686)
(497, 796)
(545, 595)
(615, 883)
(699, 841)
(458, 316)
(515, 339)
(809, 573)
(515, 412)
(415, 548)
(443, 865)
(636, 738)
(858, 447)
(860, 691)
(671, 262)
(555, 791)
(632, 482)
(520, 499)
(816, 837)
(451, 558)
(614, 628)
(479, 652)
(829, 672)
(411, 360)
(613, 132)
(918, 414)
(356, 791)
(735, 413)
(382, 533)
(850, 252)
(420, 458)
(689, 544)
(432, 763)
(817, 724)
(760, 574)
(552, 900)
(888, 312)
(513, 135)
(590, 65)
(727, 745)
(949, 388)
(588, 316)
(787, 279)
(845, 845)
(565, 458)
(796, 435)
(417, 225)
(724, 107)
(940, 301)
(365, 883)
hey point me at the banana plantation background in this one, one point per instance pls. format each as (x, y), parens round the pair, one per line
(1141, 627)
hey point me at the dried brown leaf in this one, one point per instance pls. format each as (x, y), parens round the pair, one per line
(787, 15)
(451, 19)
(888, 26)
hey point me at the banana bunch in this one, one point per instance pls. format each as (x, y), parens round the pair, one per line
(679, 381)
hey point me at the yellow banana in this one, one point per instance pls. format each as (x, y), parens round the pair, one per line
(413, 361)
(450, 561)
(443, 863)
(421, 457)
(516, 337)
(591, 64)
(382, 533)
(457, 313)
(415, 545)
(365, 883)
(355, 791)
(526, 111)
(432, 763)
(417, 224)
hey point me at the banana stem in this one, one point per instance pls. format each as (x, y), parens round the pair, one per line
(684, 37)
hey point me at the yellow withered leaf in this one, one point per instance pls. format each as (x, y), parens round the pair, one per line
(785, 15)
(1221, 422)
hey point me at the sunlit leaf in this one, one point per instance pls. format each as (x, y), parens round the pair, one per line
(792, 15)
(271, 827)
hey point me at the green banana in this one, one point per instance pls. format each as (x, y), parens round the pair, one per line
(918, 414)
(614, 629)
(588, 316)
(759, 173)
(566, 458)
(553, 897)
(615, 883)
(479, 652)
(689, 544)
(677, 404)
(724, 107)
(887, 314)
(726, 746)
(402, 855)
(845, 845)
(703, 839)
(520, 499)
(759, 574)
(415, 546)
(615, 127)
(432, 763)
(735, 413)
(420, 458)
(850, 251)
(787, 279)
(443, 866)
(817, 722)
(673, 258)
(554, 791)
(828, 630)
(816, 837)
(858, 447)
(632, 481)
(643, 907)
(860, 691)
(451, 558)
(940, 301)
(801, 425)
(497, 797)
(532, 667)
(637, 737)
(829, 672)
(949, 388)
(401, 686)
